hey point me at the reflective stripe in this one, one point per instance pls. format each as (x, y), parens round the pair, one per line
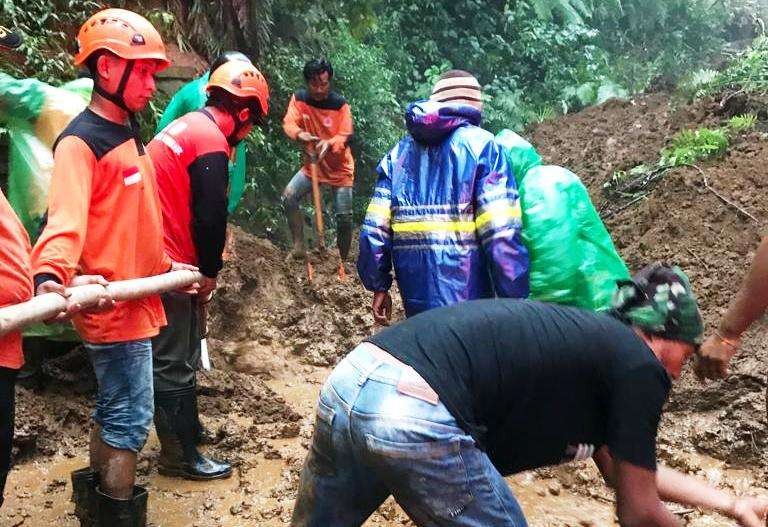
(171, 143)
(436, 226)
(376, 230)
(498, 212)
(459, 207)
(379, 210)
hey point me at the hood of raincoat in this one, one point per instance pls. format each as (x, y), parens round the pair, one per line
(521, 154)
(430, 122)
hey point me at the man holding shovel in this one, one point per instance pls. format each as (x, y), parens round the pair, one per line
(191, 158)
(321, 120)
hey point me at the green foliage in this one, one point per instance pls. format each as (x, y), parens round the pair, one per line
(690, 146)
(746, 73)
(534, 58)
(362, 76)
(49, 29)
(742, 123)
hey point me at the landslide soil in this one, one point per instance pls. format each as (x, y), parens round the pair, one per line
(275, 336)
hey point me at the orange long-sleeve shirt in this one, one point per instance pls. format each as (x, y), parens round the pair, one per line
(15, 278)
(104, 218)
(330, 120)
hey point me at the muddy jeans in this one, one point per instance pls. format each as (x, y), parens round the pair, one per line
(371, 441)
(300, 185)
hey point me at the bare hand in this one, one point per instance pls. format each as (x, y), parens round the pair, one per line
(714, 356)
(750, 512)
(306, 137)
(51, 286)
(105, 303)
(322, 147)
(191, 289)
(207, 287)
(382, 307)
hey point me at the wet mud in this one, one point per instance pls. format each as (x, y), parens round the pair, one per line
(275, 335)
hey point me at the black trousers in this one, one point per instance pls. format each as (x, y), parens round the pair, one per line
(7, 415)
(176, 350)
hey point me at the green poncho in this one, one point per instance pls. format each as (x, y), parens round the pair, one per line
(572, 258)
(35, 113)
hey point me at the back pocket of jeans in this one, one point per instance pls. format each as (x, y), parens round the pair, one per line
(432, 473)
(321, 455)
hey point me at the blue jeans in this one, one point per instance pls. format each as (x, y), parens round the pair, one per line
(125, 397)
(371, 441)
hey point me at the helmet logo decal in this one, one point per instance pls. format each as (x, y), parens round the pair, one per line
(137, 40)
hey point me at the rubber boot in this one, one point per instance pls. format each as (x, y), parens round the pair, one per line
(296, 225)
(175, 422)
(203, 436)
(84, 483)
(344, 235)
(115, 512)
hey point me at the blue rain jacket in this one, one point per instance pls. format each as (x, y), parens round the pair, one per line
(445, 214)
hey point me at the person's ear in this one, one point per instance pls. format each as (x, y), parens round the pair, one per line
(103, 66)
(244, 115)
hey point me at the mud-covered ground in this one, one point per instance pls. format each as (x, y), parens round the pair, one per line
(274, 337)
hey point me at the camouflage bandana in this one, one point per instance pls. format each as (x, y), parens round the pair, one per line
(659, 300)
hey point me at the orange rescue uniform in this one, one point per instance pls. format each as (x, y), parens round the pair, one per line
(104, 218)
(330, 120)
(15, 278)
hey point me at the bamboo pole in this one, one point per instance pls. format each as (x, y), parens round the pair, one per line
(47, 306)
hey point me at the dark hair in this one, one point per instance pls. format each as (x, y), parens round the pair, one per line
(232, 104)
(93, 59)
(315, 67)
(228, 56)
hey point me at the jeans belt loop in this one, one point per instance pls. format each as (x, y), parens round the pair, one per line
(368, 372)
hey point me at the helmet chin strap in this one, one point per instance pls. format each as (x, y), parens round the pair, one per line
(118, 99)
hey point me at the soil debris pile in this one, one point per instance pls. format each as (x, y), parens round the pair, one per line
(265, 303)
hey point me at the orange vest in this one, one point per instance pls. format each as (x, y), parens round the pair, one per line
(15, 278)
(104, 218)
(330, 120)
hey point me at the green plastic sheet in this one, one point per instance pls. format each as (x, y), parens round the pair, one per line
(572, 258)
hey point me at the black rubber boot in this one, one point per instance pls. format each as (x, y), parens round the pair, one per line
(344, 235)
(114, 512)
(176, 425)
(84, 483)
(203, 436)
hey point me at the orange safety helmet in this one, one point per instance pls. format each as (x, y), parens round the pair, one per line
(243, 80)
(125, 33)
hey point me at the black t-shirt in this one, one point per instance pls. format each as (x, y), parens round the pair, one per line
(537, 384)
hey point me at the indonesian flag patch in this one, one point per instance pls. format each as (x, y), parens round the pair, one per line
(131, 176)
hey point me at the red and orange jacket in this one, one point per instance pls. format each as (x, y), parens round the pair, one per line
(191, 159)
(15, 278)
(330, 120)
(103, 218)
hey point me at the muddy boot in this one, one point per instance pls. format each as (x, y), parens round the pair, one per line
(114, 512)
(344, 235)
(175, 422)
(296, 225)
(84, 483)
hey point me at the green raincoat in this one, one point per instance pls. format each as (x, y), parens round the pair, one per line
(572, 258)
(34, 114)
